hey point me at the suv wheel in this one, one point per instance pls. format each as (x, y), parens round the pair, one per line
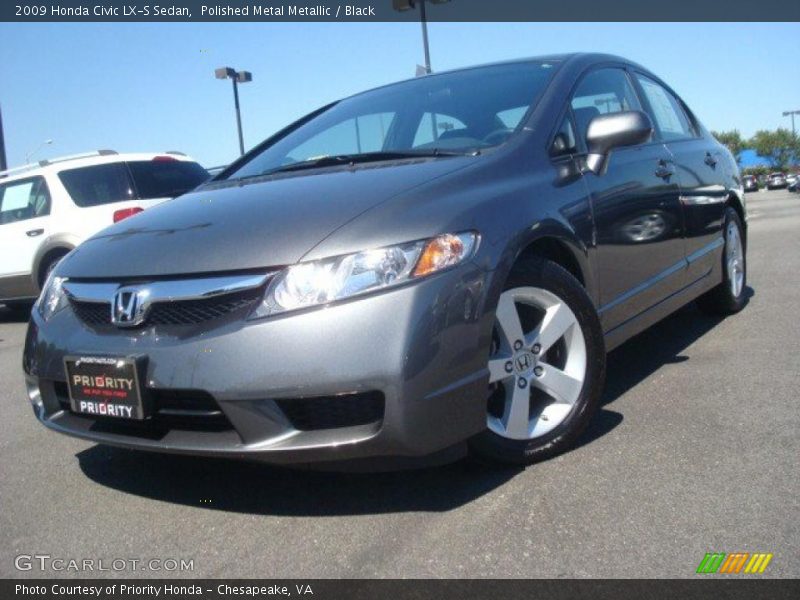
(728, 297)
(48, 267)
(19, 309)
(546, 366)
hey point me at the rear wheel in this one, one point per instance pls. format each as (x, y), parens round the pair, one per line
(546, 366)
(728, 297)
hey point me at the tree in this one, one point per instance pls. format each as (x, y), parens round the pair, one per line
(733, 140)
(779, 146)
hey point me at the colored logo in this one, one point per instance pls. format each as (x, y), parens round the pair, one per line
(738, 562)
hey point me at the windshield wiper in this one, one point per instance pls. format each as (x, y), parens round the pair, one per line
(364, 157)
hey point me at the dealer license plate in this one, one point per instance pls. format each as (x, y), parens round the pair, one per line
(104, 387)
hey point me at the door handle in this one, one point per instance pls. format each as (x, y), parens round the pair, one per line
(710, 160)
(664, 170)
(34, 232)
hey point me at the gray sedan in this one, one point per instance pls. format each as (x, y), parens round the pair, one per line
(431, 267)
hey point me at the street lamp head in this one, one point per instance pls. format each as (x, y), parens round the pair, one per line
(403, 5)
(244, 76)
(224, 73)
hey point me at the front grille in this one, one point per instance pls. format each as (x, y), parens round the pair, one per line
(190, 312)
(181, 312)
(93, 313)
(332, 412)
(193, 410)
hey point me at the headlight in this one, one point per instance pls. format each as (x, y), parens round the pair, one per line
(323, 281)
(53, 298)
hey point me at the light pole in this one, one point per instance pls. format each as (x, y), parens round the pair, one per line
(39, 147)
(3, 163)
(792, 113)
(237, 77)
(403, 5)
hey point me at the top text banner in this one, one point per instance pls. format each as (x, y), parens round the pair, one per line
(385, 10)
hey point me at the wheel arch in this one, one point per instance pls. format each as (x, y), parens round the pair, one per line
(54, 246)
(737, 204)
(557, 243)
(549, 239)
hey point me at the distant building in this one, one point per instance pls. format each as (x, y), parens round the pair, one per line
(749, 158)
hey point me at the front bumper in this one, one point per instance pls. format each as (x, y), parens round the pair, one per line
(421, 347)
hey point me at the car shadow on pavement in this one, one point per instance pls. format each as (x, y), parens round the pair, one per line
(254, 488)
(662, 344)
(250, 487)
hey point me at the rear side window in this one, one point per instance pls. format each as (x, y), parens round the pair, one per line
(602, 92)
(98, 184)
(672, 122)
(166, 178)
(24, 199)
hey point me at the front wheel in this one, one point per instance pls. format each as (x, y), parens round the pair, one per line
(729, 296)
(546, 366)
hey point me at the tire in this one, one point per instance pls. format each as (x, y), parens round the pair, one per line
(19, 309)
(728, 297)
(561, 390)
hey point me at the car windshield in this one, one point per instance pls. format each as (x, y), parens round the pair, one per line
(455, 113)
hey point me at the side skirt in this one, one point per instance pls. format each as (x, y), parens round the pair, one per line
(624, 331)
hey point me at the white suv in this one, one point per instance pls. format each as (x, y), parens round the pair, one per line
(48, 208)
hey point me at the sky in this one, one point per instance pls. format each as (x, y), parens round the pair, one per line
(151, 87)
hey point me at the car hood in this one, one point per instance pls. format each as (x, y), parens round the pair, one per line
(228, 226)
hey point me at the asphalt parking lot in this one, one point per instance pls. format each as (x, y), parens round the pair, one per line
(695, 450)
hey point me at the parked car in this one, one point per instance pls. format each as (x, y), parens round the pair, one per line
(776, 181)
(750, 183)
(48, 208)
(430, 266)
(791, 181)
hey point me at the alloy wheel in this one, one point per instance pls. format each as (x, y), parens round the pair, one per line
(537, 365)
(735, 259)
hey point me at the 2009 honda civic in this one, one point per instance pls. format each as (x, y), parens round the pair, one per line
(435, 265)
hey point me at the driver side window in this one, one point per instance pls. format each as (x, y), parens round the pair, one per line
(601, 92)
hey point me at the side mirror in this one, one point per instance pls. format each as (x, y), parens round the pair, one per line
(616, 130)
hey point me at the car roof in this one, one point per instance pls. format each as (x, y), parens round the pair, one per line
(99, 157)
